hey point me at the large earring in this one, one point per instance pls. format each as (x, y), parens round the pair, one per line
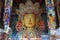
(23, 25)
(22, 22)
(37, 20)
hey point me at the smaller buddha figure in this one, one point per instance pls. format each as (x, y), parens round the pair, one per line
(29, 21)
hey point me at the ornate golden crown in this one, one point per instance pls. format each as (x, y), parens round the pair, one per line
(28, 7)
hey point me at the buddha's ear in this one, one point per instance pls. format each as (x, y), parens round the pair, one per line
(37, 20)
(38, 17)
(22, 21)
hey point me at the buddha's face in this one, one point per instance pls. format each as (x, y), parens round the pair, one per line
(29, 20)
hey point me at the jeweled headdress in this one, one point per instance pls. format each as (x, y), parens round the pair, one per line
(28, 7)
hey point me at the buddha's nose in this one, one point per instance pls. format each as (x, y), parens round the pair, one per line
(30, 21)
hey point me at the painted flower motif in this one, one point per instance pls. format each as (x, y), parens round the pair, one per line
(41, 25)
(18, 25)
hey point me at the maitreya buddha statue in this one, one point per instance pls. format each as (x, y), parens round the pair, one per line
(28, 11)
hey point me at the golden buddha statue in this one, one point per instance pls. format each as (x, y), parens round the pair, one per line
(28, 10)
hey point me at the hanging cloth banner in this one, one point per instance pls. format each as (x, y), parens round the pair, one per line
(7, 13)
(51, 15)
